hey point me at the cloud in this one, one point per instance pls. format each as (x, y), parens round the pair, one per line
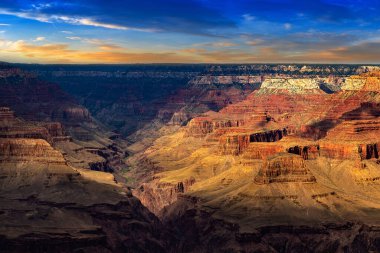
(223, 44)
(91, 22)
(39, 39)
(248, 17)
(110, 47)
(255, 42)
(266, 30)
(217, 44)
(368, 52)
(101, 44)
(287, 26)
(4, 24)
(71, 20)
(62, 53)
(193, 50)
(142, 15)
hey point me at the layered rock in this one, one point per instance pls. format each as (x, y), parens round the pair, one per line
(71, 114)
(225, 80)
(291, 85)
(365, 82)
(233, 144)
(262, 150)
(201, 126)
(12, 127)
(48, 206)
(6, 114)
(345, 186)
(236, 144)
(310, 152)
(36, 150)
(157, 195)
(268, 136)
(339, 150)
(369, 151)
(284, 168)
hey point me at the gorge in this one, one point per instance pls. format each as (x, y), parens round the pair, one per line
(189, 158)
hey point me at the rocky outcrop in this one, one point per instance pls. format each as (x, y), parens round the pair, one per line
(12, 127)
(201, 126)
(6, 114)
(71, 114)
(365, 82)
(36, 150)
(262, 150)
(339, 150)
(284, 168)
(309, 152)
(369, 151)
(156, 195)
(268, 136)
(203, 80)
(179, 119)
(291, 85)
(236, 144)
(233, 144)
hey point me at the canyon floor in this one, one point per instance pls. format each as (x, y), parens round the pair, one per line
(190, 158)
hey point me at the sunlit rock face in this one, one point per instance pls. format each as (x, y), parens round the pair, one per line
(301, 85)
(294, 152)
(365, 82)
(284, 168)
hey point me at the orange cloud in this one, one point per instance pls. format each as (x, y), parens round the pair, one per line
(110, 47)
(111, 53)
(193, 50)
(58, 53)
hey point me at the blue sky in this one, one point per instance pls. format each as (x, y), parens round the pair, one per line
(141, 31)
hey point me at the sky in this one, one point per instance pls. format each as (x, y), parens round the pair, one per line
(190, 31)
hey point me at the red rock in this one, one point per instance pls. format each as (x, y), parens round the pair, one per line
(369, 151)
(282, 168)
(236, 144)
(233, 144)
(201, 126)
(262, 150)
(309, 152)
(339, 150)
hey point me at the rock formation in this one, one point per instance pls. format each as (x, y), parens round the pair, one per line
(294, 152)
(284, 168)
(291, 85)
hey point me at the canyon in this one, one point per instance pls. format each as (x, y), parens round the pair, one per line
(189, 158)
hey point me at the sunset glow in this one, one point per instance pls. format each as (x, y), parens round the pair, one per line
(202, 31)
